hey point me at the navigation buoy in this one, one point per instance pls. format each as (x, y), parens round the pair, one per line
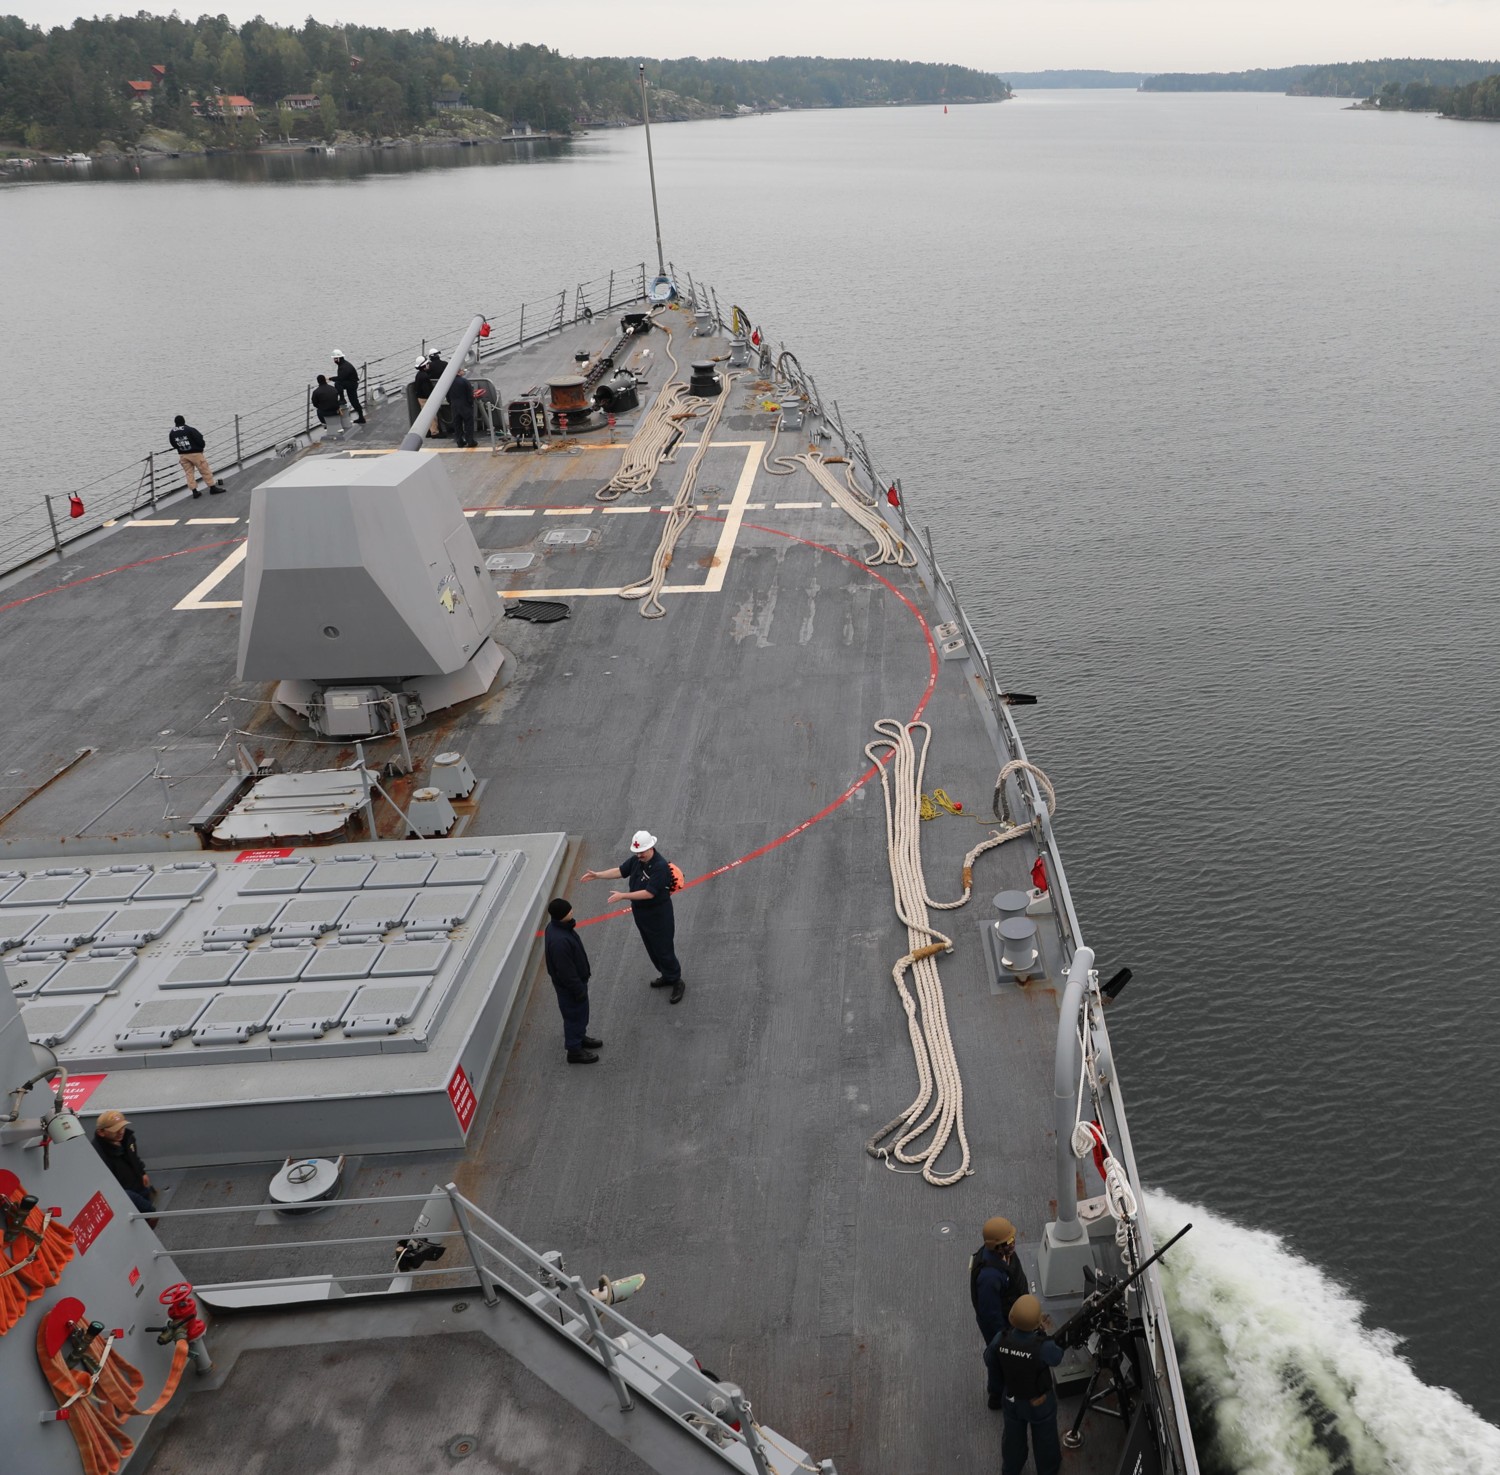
(945, 109)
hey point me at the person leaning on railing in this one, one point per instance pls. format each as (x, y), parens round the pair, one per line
(189, 444)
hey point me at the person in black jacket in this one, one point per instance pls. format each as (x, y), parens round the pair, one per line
(1022, 1357)
(325, 401)
(650, 881)
(346, 381)
(568, 968)
(461, 403)
(422, 386)
(189, 443)
(115, 1143)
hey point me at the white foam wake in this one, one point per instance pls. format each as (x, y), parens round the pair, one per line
(1285, 1375)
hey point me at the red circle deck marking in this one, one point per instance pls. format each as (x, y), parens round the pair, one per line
(123, 568)
(864, 778)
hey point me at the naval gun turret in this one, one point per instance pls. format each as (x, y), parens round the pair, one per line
(366, 598)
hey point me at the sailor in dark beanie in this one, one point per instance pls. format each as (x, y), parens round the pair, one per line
(568, 968)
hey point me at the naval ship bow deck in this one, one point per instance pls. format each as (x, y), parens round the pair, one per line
(718, 1146)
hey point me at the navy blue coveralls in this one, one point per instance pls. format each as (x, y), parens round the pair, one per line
(1000, 1281)
(461, 403)
(568, 968)
(653, 918)
(1023, 1361)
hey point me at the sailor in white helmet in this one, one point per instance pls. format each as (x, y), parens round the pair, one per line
(650, 880)
(346, 381)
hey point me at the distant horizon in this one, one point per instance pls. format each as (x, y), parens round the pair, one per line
(1244, 35)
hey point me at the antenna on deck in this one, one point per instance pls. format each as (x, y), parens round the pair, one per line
(661, 261)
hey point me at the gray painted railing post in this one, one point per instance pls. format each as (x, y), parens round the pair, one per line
(562, 307)
(461, 1214)
(239, 455)
(56, 541)
(521, 335)
(151, 478)
(307, 426)
(611, 302)
(741, 1406)
(602, 1344)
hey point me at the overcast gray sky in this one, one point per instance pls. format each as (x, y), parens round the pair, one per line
(997, 35)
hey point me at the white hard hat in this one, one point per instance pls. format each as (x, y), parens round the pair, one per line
(642, 840)
(420, 362)
(338, 353)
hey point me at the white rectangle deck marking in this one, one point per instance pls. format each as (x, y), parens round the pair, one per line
(567, 511)
(195, 599)
(471, 512)
(796, 506)
(153, 522)
(734, 515)
(510, 511)
(621, 511)
(212, 521)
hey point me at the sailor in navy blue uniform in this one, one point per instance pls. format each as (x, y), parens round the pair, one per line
(1023, 1357)
(996, 1278)
(648, 889)
(568, 968)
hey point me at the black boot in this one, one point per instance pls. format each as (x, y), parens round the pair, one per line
(678, 989)
(582, 1057)
(590, 1043)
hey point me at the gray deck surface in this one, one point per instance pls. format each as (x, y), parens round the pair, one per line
(718, 1146)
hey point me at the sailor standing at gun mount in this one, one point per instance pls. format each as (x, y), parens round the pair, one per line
(1023, 1356)
(650, 881)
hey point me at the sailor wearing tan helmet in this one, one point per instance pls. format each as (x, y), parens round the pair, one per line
(1022, 1356)
(996, 1278)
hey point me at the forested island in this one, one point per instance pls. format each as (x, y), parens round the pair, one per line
(1459, 89)
(128, 81)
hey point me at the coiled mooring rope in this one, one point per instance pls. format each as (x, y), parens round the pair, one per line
(938, 1080)
(939, 1084)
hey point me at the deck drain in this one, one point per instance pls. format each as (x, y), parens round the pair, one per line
(567, 537)
(499, 563)
(945, 1229)
(463, 1446)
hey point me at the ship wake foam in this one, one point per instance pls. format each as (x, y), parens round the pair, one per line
(1283, 1376)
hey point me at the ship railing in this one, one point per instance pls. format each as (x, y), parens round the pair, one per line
(281, 428)
(1023, 795)
(509, 1275)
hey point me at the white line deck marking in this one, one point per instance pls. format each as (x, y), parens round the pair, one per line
(733, 515)
(471, 512)
(795, 506)
(510, 511)
(567, 511)
(621, 511)
(214, 521)
(194, 599)
(153, 522)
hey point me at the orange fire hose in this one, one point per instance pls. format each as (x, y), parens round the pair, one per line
(32, 1262)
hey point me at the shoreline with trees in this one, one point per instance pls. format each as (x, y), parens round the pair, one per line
(129, 84)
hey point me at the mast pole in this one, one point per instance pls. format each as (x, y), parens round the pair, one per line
(661, 261)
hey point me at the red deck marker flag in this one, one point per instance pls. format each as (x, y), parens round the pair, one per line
(75, 505)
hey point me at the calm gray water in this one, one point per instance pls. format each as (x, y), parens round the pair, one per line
(1199, 396)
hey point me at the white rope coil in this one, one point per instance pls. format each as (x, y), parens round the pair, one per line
(682, 510)
(939, 1087)
(660, 429)
(999, 837)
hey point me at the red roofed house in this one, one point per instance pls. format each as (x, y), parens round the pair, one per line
(232, 106)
